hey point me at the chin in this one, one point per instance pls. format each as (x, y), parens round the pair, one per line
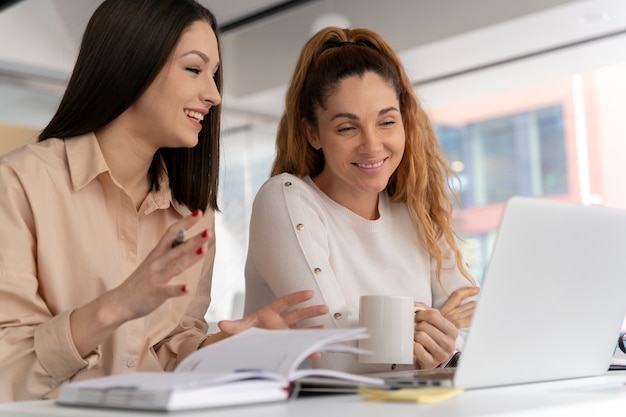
(374, 188)
(188, 142)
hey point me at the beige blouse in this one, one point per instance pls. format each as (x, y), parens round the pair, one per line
(68, 233)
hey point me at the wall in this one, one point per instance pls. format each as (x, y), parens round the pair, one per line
(14, 136)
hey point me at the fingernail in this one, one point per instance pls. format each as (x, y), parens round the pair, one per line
(185, 288)
(196, 213)
(205, 234)
(200, 250)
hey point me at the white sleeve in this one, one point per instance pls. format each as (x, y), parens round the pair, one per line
(288, 249)
(452, 279)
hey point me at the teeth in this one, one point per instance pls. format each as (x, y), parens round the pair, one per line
(195, 115)
(376, 165)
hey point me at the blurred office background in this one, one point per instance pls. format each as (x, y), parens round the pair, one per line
(528, 97)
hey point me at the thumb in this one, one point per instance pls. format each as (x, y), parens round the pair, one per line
(231, 327)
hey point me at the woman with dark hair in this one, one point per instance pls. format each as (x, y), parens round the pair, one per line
(359, 202)
(96, 275)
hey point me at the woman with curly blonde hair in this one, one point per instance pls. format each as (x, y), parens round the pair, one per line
(359, 199)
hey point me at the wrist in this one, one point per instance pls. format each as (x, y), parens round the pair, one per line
(91, 324)
(100, 316)
(212, 338)
(110, 311)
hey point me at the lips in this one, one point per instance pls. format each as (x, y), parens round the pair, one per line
(370, 166)
(195, 115)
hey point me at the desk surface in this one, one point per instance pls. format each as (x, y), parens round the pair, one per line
(597, 396)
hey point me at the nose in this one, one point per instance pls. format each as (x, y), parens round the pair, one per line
(210, 93)
(370, 142)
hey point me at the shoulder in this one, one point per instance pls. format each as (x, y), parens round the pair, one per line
(28, 151)
(286, 195)
(278, 183)
(32, 159)
(284, 186)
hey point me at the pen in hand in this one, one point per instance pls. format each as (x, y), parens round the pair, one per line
(180, 238)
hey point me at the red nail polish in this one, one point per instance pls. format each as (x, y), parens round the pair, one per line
(185, 288)
(205, 234)
(196, 213)
(200, 250)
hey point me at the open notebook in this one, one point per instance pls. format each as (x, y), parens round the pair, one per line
(552, 302)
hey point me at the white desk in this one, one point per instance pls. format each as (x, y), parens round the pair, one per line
(600, 396)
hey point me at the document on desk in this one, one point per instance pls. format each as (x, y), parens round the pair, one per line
(174, 390)
(253, 366)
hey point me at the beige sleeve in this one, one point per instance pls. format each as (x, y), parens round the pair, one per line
(36, 349)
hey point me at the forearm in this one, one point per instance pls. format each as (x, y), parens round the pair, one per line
(94, 322)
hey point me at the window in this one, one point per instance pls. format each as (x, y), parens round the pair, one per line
(519, 154)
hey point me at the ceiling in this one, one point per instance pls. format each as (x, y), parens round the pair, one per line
(437, 40)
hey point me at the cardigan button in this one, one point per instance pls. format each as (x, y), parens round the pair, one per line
(337, 316)
(300, 226)
(287, 184)
(317, 271)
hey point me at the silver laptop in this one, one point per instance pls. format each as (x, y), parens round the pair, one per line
(552, 302)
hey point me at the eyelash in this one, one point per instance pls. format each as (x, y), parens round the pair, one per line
(384, 124)
(197, 71)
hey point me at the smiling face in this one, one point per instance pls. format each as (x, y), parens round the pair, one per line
(168, 114)
(361, 135)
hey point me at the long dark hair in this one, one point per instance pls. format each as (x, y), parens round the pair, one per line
(124, 47)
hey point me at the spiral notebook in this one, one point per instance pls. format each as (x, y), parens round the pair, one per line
(552, 301)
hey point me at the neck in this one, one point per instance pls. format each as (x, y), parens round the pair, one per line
(128, 159)
(364, 204)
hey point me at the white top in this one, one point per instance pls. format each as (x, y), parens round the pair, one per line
(302, 239)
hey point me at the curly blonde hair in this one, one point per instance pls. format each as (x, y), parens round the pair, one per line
(422, 178)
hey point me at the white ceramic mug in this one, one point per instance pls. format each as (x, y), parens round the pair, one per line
(390, 321)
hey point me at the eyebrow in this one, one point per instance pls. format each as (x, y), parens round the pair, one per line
(202, 55)
(353, 116)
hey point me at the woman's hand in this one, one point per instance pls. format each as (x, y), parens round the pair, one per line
(277, 315)
(436, 330)
(144, 290)
(149, 285)
(435, 338)
(457, 310)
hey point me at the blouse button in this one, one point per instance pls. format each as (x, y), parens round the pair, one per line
(287, 184)
(300, 226)
(317, 271)
(130, 363)
(337, 316)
